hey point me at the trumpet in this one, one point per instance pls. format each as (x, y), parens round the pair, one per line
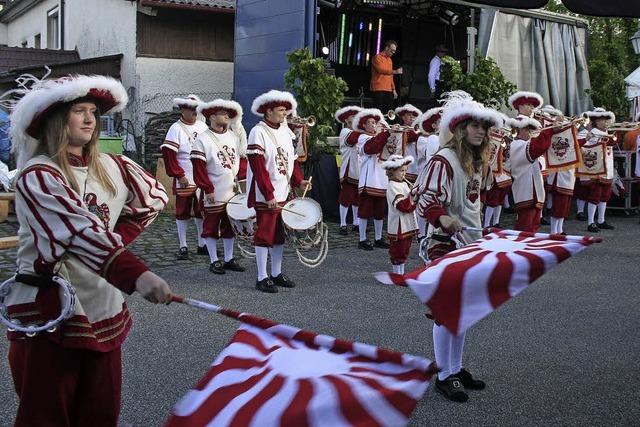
(391, 115)
(574, 120)
(624, 126)
(302, 121)
(396, 128)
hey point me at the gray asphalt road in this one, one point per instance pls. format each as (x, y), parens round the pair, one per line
(564, 352)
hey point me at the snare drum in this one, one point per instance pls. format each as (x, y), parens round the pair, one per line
(302, 220)
(241, 217)
(187, 191)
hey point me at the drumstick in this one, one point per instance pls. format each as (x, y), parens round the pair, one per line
(307, 187)
(284, 209)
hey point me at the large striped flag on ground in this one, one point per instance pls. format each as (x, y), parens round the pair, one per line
(278, 375)
(471, 282)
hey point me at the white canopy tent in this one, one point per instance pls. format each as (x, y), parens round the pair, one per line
(633, 92)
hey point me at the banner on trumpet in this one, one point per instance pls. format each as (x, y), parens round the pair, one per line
(593, 162)
(396, 144)
(564, 152)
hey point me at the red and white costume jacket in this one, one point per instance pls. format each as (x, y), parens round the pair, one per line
(528, 184)
(176, 149)
(82, 237)
(401, 221)
(597, 137)
(215, 165)
(373, 179)
(411, 149)
(426, 147)
(448, 190)
(272, 165)
(350, 167)
(562, 182)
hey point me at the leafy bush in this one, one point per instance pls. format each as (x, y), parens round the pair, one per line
(317, 93)
(487, 84)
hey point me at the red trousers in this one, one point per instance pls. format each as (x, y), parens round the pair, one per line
(348, 194)
(399, 250)
(270, 230)
(187, 207)
(581, 190)
(561, 205)
(599, 192)
(61, 387)
(372, 206)
(495, 196)
(528, 219)
(217, 225)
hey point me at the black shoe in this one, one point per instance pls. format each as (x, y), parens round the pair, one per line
(468, 381)
(355, 228)
(496, 225)
(266, 285)
(605, 226)
(544, 221)
(452, 389)
(381, 244)
(284, 281)
(593, 228)
(366, 245)
(183, 253)
(343, 230)
(580, 216)
(202, 250)
(216, 267)
(233, 265)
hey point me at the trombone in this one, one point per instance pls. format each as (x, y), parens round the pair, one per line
(302, 121)
(624, 126)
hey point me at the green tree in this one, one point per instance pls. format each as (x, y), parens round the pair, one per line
(487, 84)
(317, 93)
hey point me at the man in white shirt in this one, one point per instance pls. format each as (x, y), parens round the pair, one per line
(435, 84)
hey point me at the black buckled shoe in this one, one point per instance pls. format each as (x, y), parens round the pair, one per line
(496, 225)
(183, 254)
(593, 228)
(343, 230)
(202, 250)
(216, 267)
(381, 244)
(580, 216)
(284, 281)
(355, 228)
(468, 381)
(452, 389)
(605, 226)
(266, 285)
(365, 245)
(544, 221)
(233, 265)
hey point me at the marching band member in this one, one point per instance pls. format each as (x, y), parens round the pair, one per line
(600, 188)
(560, 185)
(426, 146)
(272, 170)
(499, 186)
(216, 161)
(408, 114)
(372, 184)
(77, 209)
(401, 222)
(350, 167)
(525, 102)
(449, 198)
(526, 171)
(176, 152)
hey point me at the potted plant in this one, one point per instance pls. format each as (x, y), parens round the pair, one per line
(318, 94)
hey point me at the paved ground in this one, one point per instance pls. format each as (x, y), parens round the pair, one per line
(565, 352)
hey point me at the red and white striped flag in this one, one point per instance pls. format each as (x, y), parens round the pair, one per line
(279, 375)
(469, 283)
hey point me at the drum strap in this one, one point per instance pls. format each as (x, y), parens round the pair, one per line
(34, 280)
(216, 141)
(274, 140)
(184, 128)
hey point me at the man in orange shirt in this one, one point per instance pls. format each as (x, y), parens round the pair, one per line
(382, 88)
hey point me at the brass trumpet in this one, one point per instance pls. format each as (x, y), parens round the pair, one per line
(396, 128)
(302, 121)
(575, 121)
(391, 115)
(624, 126)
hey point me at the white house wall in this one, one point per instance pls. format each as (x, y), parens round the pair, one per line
(26, 26)
(162, 76)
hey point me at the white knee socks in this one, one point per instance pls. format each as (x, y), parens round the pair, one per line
(362, 229)
(580, 205)
(560, 225)
(422, 226)
(343, 215)
(354, 211)
(228, 249)
(262, 254)
(488, 215)
(199, 222)
(182, 225)
(377, 225)
(448, 351)
(496, 214)
(602, 208)
(398, 269)
(591, 213)
(554, 225)
(211, 247)
(276, 259)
